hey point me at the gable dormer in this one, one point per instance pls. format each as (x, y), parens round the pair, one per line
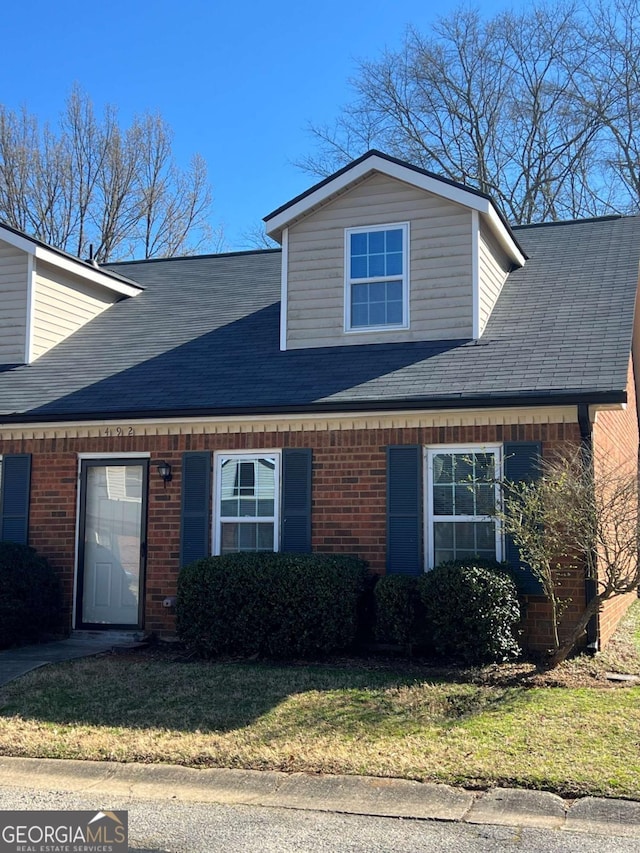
(46, 295)
(382, 252)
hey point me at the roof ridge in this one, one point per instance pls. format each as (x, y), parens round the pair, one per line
(608, 218)
(194, 257)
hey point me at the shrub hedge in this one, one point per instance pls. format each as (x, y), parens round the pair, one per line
(397, 611)
(30, 596)
(472, 611)
(270, 605)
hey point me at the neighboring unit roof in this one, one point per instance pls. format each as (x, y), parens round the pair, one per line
(107, 277)
(203, 339)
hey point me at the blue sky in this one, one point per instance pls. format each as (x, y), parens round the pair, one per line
(237, 81)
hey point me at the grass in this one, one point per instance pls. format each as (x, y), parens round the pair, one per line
(501, 725)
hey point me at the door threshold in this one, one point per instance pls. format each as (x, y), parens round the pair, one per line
(117, 637)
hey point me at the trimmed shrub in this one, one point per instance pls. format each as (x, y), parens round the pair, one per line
(30, 598)
(270, 605)
(472, 610)
(396, 610)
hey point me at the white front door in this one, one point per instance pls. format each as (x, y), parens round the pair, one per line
(112, 548)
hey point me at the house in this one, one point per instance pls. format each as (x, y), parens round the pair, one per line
(335, 395)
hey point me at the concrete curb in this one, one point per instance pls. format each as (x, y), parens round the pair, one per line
(362, 795)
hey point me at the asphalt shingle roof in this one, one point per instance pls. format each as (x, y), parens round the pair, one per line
(203, 337)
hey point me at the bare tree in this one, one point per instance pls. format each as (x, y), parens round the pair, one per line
(92, 181)
(256, 238)
(583, 514)
(537, 109)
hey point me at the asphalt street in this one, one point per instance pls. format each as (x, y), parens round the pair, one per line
(157, 826)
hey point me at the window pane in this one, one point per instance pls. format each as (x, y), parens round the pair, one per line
(464, 500)
(465, 536)
(394, 313)
(394, 291)
(464, 467)
(228, 507)
(360, 294)
(485, 499)
(247, 507)
(394, 240)
(442, 500)
(443, 556)
(443, 468)
(376, 242)
(394, 264)
(359, 267)
(238, 536)
(485, 467)
(359, 243)
(376, 265)
(247, 537)
(462, 486)
(360, 315)
(265, 537)
(486, 536)
(265, 508)
(378, 292)
(443, 534)
(229, 542)
(377, 314)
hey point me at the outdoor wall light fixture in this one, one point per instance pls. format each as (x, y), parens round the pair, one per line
(164, 469)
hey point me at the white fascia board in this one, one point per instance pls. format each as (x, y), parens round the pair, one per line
(17, 241)
(441, 188)
(504, 237)
(475, 272)
(31, 308)
(68, 264)
(95, 276)
(361, 170)
(284, 285)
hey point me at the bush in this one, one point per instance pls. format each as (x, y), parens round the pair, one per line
(270, 605)
(30, 599)
(396, 610)
(472, 610)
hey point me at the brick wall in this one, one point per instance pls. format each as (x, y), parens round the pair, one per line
(349, 495)
(615, 436)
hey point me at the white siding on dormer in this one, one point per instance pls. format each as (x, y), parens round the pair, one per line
(14, 275)
(494, 269)
(63, 303)
(440, 303)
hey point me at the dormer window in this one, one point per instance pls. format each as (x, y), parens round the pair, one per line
(377, 277)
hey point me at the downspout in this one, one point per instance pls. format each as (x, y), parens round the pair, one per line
(590, 587)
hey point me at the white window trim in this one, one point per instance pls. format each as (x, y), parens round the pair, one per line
(220, 456)
(405, 226)
(429, 452)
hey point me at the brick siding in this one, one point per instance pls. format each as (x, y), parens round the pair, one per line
(615, 436)
(348, 492)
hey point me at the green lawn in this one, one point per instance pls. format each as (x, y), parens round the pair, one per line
(401, 722)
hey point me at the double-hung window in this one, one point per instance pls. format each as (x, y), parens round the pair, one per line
(377, 277)
(246, 502)
(462, 493)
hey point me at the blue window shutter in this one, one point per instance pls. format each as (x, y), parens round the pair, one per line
(14, 500)
(522, 462)
(195, 515)
(404, 510)
(295, 534)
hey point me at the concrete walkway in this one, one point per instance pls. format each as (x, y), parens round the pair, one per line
(359, 795)
(17, 662)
